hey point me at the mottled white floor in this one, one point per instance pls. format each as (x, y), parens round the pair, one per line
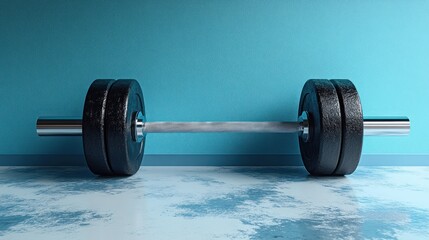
(214, 203)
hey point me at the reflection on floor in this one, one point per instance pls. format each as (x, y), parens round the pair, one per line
(214, 203)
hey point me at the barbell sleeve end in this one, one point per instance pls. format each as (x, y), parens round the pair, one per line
(59, 126)
(386, 126)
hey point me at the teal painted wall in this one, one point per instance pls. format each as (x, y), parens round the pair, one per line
(211, 60)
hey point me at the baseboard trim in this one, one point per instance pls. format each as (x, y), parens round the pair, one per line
(211, 160)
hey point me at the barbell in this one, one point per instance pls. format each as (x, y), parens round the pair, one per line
(330, 126)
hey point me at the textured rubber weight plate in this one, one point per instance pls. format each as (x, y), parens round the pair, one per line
(352, 125)
(124, 101)
(93, 125)
(321, 153)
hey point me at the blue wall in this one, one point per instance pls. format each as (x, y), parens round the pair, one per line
(211, 60)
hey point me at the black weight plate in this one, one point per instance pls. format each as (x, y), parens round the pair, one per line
(321, 153)
(352, 124)
(124, 101)
(93, 124)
